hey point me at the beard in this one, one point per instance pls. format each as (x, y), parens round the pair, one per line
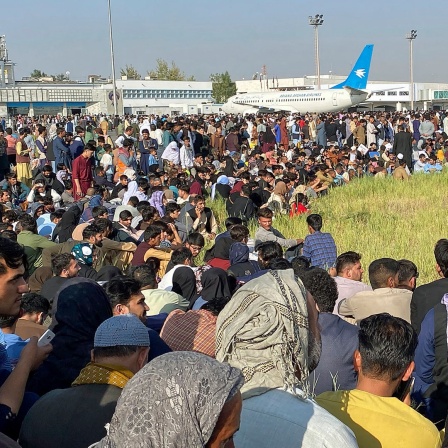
(314, 351)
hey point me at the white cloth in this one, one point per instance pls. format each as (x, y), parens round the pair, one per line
(171, 153)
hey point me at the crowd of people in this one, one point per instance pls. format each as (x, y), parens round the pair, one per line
(176, 327)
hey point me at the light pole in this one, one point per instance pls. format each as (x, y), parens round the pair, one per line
(112, 59)
(410, 37)
(316, 21)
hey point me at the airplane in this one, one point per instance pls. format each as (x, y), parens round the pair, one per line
(341, 96)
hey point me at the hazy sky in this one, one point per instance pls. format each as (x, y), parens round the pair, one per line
(205, 37)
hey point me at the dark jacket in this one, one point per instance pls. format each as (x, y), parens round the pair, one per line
(339, 342)
(424, 298)
(70, 418)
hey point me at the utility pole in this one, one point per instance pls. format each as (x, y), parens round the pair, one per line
(411, 37)
(315, 22)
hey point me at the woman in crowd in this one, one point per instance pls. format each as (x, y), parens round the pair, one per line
(184, 399)
(78, 310)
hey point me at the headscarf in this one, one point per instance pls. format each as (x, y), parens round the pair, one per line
(134, 191)
(174, 401)
(69, 220)
(229, 167)
(239, 253)
(52, 133)
(83, 252)
(263, 329)
(222, 180)
(79, 308)
(39, 277)
(184, 283)
(156, 202)
(61, 176)
(280, 189)
(215, 283)
(222, 248)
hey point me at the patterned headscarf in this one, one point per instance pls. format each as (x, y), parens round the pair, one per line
(83, 252)
(263, 330)
(174, 401)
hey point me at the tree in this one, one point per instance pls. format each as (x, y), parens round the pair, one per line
(37, 74)
(223, 87)
(59, 78)
(130, 72)
(164, 72)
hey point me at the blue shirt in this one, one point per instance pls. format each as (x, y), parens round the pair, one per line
(14, 346)
(320, 248)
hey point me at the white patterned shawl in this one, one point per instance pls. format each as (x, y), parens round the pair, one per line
(263, 331)
(174, 401)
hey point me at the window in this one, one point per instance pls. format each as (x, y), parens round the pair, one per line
(392, 93)
(382, 93)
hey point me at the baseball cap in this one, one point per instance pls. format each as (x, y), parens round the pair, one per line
(125, 329)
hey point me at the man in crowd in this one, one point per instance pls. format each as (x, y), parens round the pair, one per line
(425, 297)
(266, 232)
(349, 277)
(276, 359)
(385, 297)
(35, 309)
(384, 362)
(318, 246)
(120, 350)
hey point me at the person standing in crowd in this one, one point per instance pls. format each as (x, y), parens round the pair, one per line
(82, 172)
(23, 161)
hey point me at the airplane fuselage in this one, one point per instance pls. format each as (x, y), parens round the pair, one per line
(317, 101)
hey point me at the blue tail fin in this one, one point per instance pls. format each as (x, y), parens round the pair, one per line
(360, 73)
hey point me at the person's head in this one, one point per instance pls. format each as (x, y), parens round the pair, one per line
(93, 235)
(146, 275)
(289, 348)
(441, 256)
(322, 287)
(239, 233)
(300, 265)
(199, 203)
(314, 222)
(89, 150)
(383, 273)
(56, 216)
(123, 341)
(267, 251)
(172, 210)
(99, 211)
(152, 235)
(207, 404)
(348, 265)
(125, 218)
(386, 350)
(47, 170)
(265, 218)
(407, 275)
(125, 296)
(65, 265)
(231, 221)
(27, 223)
(35, 308)
(195, 243)
(181, 256)
(13, 265)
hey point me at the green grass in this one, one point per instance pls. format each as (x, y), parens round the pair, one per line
(378, 218)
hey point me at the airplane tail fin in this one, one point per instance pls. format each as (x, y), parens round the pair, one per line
(359, 75)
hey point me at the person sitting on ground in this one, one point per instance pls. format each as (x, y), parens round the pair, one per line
(339, 338)
(229, 222)
(153, 242)
(215, 283)
(160, 301)
(276, 359)
(318, 246)
(240, 265)
(201, 219)
(243, 207)
(426, 297)
(378, 410)
(194, 330)
(400, 171)
(41, 191)
(12, 342)
(266, 232)
(64, 266)
(385, 297)
(126, 297)
(407, 275)
(124, 226)
(348, 277)
(35, 309)
(120, 349)
(205, 394)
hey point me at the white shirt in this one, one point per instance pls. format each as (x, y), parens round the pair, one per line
(280, 419)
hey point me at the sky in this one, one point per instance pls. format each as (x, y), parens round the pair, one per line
(239, 36)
